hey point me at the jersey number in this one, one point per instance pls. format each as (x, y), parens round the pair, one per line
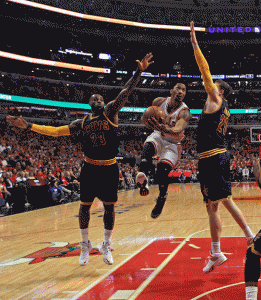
(98, 139)
(222, 126)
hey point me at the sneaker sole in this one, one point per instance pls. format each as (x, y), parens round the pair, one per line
(214, 266)
(154, 216)
(107, 262)
(84, 263)
(142, 187)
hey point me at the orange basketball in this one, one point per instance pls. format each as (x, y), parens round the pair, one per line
(153, 111)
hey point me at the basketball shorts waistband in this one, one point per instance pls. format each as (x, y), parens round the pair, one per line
(212, 152)
(103, 162)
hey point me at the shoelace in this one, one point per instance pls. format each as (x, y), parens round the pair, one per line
(106, 247)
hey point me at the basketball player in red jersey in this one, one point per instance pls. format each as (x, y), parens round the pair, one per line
(214, 160)
(164, 142)
(100, 173)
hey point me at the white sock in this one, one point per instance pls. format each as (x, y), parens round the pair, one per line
(215, 248)
(84, 235)
(251, 293)
(248, 233)
(107, 235)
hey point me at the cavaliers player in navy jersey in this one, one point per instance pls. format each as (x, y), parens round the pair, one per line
(214, 160)
(253, 255)
(99, 175)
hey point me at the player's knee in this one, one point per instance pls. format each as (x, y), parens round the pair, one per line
(212, 208)
(252, 267)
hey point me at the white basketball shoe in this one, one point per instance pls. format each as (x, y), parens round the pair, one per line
(106, 252)
(142, 184)
(214, 261)
(86, 248)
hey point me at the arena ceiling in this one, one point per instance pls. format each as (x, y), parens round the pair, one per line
(31, 31)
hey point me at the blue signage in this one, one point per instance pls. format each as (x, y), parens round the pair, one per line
(234, 29)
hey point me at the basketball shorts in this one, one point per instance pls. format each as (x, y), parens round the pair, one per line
(214, 177)
(99, 181)
(256, 245)
(168, 152)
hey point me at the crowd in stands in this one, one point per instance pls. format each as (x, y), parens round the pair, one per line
(56, 163)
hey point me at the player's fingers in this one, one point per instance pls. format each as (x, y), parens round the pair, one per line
(153, 122)
(150, 123)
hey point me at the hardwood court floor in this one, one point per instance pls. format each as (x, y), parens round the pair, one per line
(39, 249)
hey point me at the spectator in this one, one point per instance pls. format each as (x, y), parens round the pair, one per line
(3, 192)
(63, 182)
(245, 174)
(56, 190)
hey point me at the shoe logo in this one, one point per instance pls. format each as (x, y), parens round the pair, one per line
(57, 250)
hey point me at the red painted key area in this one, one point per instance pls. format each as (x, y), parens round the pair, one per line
(182, 278)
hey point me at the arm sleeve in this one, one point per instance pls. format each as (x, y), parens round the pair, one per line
(50, 130)
(204, 69)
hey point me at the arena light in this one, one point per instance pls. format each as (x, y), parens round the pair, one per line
(53, 63)
(70, 51)
(104, 56)
(104, 19)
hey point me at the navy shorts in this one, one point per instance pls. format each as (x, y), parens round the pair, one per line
(214, 177)
(99, 181)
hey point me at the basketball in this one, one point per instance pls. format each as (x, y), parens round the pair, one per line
(153, 111)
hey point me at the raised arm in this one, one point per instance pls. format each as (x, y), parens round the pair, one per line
(114, 106)
(20, 122)
(210, 87)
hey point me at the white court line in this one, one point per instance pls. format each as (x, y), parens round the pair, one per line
(135, 253)
(218, 289)
(145, 283)
(194, 246)
(111, 271)
(163, 264)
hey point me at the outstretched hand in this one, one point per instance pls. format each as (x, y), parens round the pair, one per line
(18, 122)
(193, 36)
(145, 62)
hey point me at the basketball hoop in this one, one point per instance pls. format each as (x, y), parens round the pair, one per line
(255, 134)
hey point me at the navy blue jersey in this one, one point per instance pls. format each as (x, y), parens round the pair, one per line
(99, 137)
(211, 132)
